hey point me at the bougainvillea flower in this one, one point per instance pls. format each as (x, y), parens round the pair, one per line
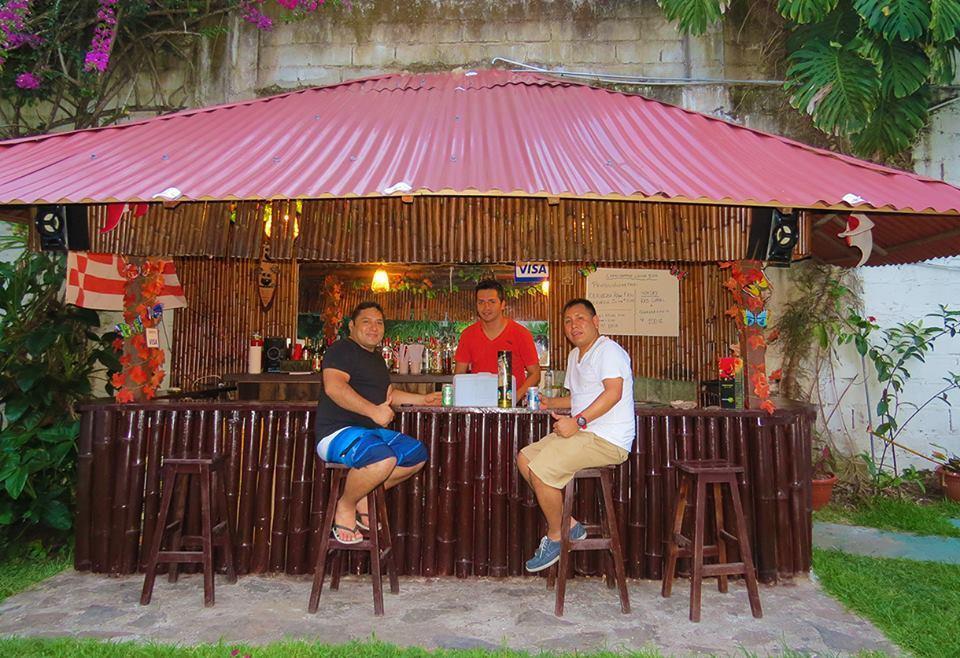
(27, 81)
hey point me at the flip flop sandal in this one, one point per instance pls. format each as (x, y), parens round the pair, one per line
(366, 526)
(337, 528)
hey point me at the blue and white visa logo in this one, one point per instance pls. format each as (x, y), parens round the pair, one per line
(533, 271)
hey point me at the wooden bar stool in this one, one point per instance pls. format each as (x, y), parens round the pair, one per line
(608, 541)
(379, 544)
(213, 533)
(703, 473)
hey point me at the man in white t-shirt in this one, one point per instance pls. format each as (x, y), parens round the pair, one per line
(599, 431)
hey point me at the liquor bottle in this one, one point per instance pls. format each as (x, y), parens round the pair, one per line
(504, 380)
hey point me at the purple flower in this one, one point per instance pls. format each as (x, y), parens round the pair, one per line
(250, 12)
(27, 81)
(98, 55)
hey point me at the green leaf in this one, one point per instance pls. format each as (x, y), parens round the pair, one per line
(821, 334)
(56, 515)
(38, 341)
(943, 63)
(15, 408)
(57, 433)
(895, 19)
(805, 11)
(894, 126)
(16, 482)
(904, 67)
(834, 84)
(861, 344)
(944, 19)
(28, 377)
(694, 16)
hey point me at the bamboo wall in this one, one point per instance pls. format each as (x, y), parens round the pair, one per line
(211, 335)
(441, 230)
(468, 513)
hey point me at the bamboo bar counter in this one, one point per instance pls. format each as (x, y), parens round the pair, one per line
(467, 514)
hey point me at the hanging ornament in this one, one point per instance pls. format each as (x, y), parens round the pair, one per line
(859, 234)
(266, 283)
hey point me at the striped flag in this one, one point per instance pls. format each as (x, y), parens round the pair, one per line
(96, 281)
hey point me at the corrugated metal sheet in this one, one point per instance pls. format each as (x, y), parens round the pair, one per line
(897, 240)
(484, 132)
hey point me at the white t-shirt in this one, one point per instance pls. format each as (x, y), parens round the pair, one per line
(604, 360)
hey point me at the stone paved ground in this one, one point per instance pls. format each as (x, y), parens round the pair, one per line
(515, 612)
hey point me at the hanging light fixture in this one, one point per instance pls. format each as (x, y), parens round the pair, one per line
(381, 282)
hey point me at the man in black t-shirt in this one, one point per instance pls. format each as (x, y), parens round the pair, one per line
(352, 419)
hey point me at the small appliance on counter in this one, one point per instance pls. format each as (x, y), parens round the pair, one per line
(476, 390)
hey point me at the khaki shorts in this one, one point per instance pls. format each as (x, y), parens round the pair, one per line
(555, 459)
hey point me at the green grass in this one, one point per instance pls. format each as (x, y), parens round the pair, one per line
(20, 571)
(897, 515)
(915, 604)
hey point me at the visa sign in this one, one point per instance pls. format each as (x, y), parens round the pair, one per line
(534, 271)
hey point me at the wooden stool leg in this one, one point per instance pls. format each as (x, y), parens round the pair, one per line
(609, 513)
(227, 519)
(324, 542)
(206, 512)
(168, 481)
(718, 532)
(336, 569)
(609, 570)
(670, 565)
(375, 552)
(564, 546)
(387, 540)
(696, 581)
(180, 518)
(746, 554)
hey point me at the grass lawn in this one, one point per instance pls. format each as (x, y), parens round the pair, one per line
(19, 572)
(897, 515)
(915, 604)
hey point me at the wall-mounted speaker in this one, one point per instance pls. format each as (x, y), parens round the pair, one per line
(62, 227)
(773, 235)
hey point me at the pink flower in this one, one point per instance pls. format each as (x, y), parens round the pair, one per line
(27, 81)
(98, 56)
(871, 319)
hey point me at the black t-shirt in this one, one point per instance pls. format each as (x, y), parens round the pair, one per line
(368, 376)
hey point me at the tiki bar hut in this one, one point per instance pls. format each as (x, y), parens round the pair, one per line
(277, 212)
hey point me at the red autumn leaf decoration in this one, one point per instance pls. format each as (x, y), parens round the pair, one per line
(756, 341)
(124, 395)
(118, 379)
(767, 406)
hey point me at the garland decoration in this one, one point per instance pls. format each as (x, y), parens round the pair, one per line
(750, 290)
(141, 358)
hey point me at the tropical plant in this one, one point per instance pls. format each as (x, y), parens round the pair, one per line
(948, 460)
(862, 69)
(892, 352)
(48, 353)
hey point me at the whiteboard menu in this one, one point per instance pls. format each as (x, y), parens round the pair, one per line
(635, 302)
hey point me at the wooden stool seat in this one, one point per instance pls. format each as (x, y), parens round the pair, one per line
(379, 543)
(716, 473)
(608, 539)
(213, 533)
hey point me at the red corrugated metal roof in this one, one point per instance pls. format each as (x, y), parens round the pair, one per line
(483, 132)
(492, 132)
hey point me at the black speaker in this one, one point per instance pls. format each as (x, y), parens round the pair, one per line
(274, 351)
(773, 235)
(62, 227)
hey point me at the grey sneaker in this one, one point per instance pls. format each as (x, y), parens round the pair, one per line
(547, 555)
(578, 532)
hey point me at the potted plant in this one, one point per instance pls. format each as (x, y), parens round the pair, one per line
(823, 477)
(949, 473)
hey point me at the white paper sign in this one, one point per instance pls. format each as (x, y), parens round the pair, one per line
(153, 337)
(635, 302)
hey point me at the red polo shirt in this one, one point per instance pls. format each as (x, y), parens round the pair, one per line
(480, 352)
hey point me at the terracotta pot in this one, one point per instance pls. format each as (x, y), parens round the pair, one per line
(822, 491)
(951, 483)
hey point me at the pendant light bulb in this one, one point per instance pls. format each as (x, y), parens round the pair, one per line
(381, 282)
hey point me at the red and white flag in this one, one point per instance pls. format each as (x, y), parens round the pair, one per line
(97, 281)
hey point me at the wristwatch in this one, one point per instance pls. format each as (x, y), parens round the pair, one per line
(581, 422)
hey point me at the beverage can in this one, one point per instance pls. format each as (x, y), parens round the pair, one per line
(533, 398)
(446, 395)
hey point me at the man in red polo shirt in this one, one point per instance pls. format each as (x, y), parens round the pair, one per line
(480, 342)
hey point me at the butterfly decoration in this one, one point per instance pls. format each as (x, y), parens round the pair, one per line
(750, 318)
(677, 272)
(758, 287)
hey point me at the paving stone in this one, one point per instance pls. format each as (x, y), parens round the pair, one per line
(440, 612)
